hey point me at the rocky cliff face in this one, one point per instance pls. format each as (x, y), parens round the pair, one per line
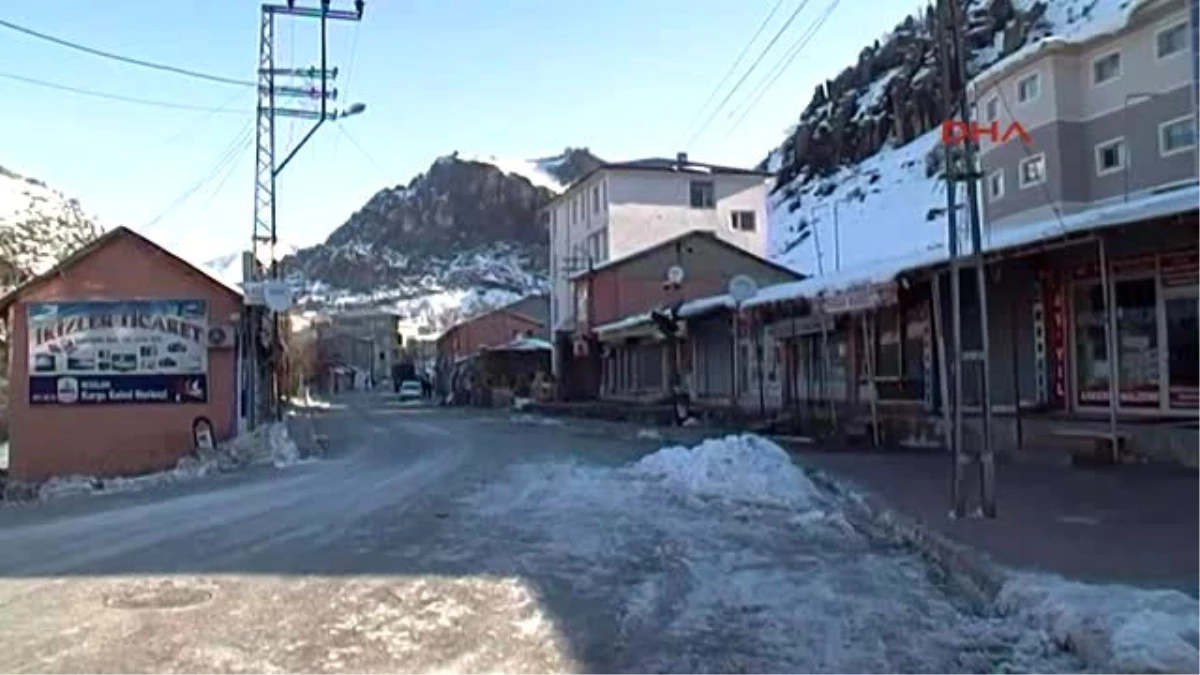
(894, 92)
(38, 227)
(464, 223)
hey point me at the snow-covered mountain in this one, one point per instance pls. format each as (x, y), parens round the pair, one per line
(38, 227)
(461, 237)
(860, 174)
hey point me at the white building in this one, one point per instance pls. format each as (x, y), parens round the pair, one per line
(625, 207)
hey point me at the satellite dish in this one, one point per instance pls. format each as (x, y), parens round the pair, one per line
(675, 274)
(277, 295)
(742, 288)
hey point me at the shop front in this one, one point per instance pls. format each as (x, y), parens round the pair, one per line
(1154, 321)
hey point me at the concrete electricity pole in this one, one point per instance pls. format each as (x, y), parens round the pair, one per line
(311, 84)
(963, 169)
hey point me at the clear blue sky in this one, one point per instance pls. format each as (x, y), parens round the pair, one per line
(515, 78)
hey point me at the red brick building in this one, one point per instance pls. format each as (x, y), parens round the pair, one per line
(624, 291)
(113, 354)
(527, 316)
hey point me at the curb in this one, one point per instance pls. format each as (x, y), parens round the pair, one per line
(966, 569)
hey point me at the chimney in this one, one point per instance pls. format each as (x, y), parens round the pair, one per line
(680, 160)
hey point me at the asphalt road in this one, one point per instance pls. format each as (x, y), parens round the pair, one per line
(435, 540)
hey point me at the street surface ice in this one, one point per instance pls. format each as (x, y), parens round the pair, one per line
(435, 540)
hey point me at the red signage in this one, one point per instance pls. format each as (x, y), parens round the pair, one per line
(1056, 343)
(957, 131)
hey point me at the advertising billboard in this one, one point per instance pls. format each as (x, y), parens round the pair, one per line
(116, 352)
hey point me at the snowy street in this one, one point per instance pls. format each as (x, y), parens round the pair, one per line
(447, 540)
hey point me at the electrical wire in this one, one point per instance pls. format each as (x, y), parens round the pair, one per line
(749, 71)
(782, 65)
(364, 152)
(736, 62)
(349, 74)
(229, 155)
(112, 97)
(125, 59)
(195, 126)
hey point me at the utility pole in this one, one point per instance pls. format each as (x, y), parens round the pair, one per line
(313, 85)
(972, 176)
(954, 74)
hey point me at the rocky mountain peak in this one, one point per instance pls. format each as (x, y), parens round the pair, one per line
(38, 227)
(466, 222)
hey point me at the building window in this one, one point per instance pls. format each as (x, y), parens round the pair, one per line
(1110, 156)
(1176, 135)
(996, 185)
(991, 109)
(1171, 41)
(604, 192)
(1136, 342)
(596, 199)
(1033, 170)
(703, 195)
(743, 221)
(1029, 88)
(1106, 68)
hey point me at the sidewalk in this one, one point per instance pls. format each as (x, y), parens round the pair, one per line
(1130, 524)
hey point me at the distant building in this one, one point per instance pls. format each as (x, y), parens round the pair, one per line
(622, 208)
(367, 341)
(1112, 117)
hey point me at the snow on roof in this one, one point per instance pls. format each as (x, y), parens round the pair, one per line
(524, 344)
(631, 321)
(1072, 22)
(702, 306)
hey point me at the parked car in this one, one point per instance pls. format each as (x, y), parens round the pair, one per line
(410, 390)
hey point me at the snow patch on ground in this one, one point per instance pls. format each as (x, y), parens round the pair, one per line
(742, 468)
(536, 420)
(271, 445)
(649, 434)
(725, 557)
(1117, 628)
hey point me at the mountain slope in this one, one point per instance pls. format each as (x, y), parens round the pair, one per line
(38, 227)
(464, 225)
(863, 166)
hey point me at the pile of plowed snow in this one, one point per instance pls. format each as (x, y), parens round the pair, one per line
(743, 468)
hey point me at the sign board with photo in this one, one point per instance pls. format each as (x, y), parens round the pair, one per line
(116, 352)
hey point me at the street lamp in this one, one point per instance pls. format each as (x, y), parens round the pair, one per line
(351, 110)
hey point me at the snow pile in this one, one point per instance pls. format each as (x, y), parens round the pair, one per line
(744, 468)
(271, 445)
(1117, 628)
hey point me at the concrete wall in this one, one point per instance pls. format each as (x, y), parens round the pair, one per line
(49, 440)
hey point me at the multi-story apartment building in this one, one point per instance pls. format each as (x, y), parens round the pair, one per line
(625, 207)
(1111, 117)
(367, 340)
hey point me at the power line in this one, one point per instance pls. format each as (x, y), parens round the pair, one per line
(782, 65)
(227, 156)
(737, 62)
(742, 80)
(346, 85)
(112, 97)
(1029, 153)
(363, 150)
(124, 59)
(193, 127)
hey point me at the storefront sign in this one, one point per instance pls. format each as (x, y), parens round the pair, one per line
(1184, 398)
(1181, 269)
(1057, 326)
(860, 299)
(109, 352)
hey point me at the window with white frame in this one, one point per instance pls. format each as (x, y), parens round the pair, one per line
(1110, 156)
(1177, 135)
(742, 221)
(1106, 68)
(1029, 87)
(1171, 41)
(996, 185)
(595, 199)
(1032, 170)
(991, 109)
